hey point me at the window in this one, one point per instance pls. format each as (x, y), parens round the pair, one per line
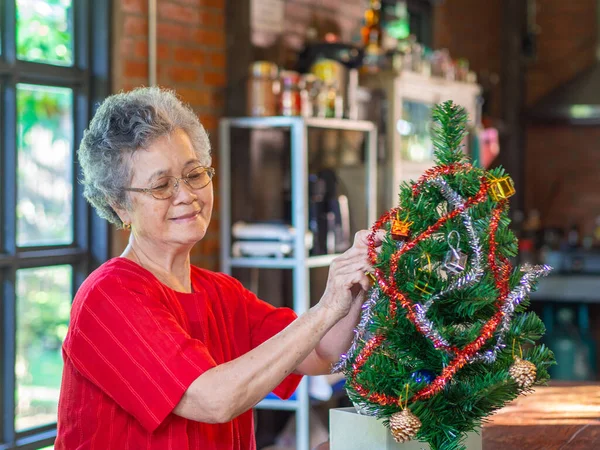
(50, 239)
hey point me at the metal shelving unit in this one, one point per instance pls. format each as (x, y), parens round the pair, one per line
(282, 263)
(301, 262)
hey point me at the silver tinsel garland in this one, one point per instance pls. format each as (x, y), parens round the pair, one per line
(469, 279)
(360, 332)
(514, 298)
(426, 325)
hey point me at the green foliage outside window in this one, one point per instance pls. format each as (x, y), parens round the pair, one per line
(45, 31)
(44, 209)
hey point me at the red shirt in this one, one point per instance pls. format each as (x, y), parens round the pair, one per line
(133, 348)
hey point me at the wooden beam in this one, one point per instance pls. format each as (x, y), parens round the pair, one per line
(240, 54)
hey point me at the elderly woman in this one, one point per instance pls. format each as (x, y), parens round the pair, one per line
(161, 354)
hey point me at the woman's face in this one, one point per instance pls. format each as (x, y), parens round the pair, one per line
(181, 219)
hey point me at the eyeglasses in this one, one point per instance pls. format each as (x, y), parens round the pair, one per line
(165, 187)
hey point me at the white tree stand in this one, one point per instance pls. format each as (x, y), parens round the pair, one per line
(349, 430)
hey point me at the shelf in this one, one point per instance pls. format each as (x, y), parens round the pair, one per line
(321, 260)
(263, 263)
(299, 263)
(282, 263)
(420, 80)
(287, 122)
(568, 289)
(281, 405)
(340, 124)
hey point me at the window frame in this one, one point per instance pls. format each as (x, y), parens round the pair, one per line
(88, 77)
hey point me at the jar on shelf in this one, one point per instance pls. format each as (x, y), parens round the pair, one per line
(262, 89)
(337, 105)
(329, 102)
(441, 63)
(321, 100)
(417, 57)
(450, 73)
(462, 69)
(426, 63)
(471, 77)
(289, 99)
(330, 97)
(308, 95)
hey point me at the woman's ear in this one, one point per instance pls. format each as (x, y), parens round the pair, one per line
(123, 215)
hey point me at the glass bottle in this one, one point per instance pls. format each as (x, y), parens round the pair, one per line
(289, 104)
(399, 27)
(307, 95)
(322, 101)
(262, 89)
(372, 35)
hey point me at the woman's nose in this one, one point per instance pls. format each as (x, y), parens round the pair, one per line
(184, 192)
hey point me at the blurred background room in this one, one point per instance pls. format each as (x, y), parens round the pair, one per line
(319, 103)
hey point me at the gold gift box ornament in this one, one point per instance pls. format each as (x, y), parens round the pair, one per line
(400, 229)
(425, 287)
(501, 188)
(424, 282)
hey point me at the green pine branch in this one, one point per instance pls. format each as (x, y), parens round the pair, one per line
(448, 132)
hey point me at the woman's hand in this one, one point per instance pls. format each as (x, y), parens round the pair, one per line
(348, 278)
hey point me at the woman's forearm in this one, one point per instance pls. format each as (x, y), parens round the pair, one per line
(336, 342)
(339, 338)
(226, 391)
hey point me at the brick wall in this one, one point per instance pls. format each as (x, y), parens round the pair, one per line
(338, 16)
(342, 17)
(566, 44)
(561, 156)
(563, 171)
(191, 60)
(472, 29)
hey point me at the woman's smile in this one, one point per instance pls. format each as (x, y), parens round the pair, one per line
(184, 218)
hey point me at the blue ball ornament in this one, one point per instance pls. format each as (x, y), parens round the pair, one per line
(423, 376)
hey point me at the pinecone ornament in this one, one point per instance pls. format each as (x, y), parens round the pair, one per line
(523, 372)
(404, 425)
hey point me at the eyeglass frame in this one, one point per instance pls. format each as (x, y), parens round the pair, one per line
(210, 170)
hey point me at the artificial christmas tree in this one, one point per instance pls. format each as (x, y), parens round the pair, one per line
(444, 337)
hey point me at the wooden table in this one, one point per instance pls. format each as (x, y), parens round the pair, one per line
(557, 417)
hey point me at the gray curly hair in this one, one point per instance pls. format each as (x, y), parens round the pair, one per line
(123, 124)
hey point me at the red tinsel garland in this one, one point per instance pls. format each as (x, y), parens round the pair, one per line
(487, 330)
(435, 172)
(388, 286)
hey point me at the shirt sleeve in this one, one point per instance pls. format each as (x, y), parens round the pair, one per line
(265, 322)
(127, 341)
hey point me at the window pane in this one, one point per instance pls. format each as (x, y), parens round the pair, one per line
(43, 306)
(45, 31)
(414, 128)
(45, 165)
